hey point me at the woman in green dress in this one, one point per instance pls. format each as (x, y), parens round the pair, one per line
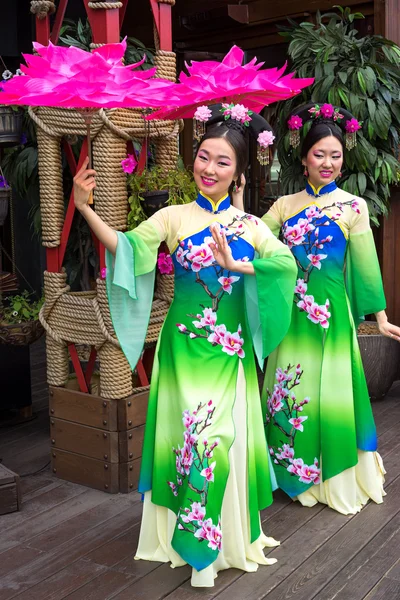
(319, 423)
(205, 471)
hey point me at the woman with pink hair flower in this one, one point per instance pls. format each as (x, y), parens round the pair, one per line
(205, 471)
(321, 433)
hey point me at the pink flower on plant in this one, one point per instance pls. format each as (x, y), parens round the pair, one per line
(297, 422)
(327, 111)
(226, 283)
(218, 335)
(295, 122)
(301, 287)
(265, 139)
(355, 205)
(208, 319)
(315, 259)
(352, 126)
(164, 263)
(129, 164)
(233, 343)
(208, 472)
(275, 404)
(281, 375)
(188, 419)
(286, 452)
(202, 113)
(319, 314)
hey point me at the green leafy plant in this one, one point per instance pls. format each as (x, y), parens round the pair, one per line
(20, 308)
(361, 74)
(79, 34)
(179, 182)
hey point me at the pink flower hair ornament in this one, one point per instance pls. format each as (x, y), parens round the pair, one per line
(323, 113)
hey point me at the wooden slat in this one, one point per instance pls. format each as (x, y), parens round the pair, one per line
(102, 587)
(81, 439)
(83, 408)
(85, 471)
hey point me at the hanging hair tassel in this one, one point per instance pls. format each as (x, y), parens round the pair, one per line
(200, 118)
(294, 138)
(295, 123)
(262, 155)
(352, 126)
(199, 129)
(264, 141)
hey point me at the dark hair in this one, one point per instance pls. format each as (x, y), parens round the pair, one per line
(236, 137)
(319, 130)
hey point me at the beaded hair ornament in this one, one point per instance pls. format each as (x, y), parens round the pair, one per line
(236, 116)
(323, 113)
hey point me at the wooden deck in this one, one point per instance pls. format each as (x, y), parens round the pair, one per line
(73, 542)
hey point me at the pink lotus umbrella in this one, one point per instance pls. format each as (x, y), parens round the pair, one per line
(73, 78)
(229, 82)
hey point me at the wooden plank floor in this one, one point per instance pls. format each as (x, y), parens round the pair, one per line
(76, 543)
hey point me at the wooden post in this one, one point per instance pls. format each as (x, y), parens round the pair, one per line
(387, 23)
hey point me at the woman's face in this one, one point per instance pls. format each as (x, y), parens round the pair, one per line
(215, 168)
(324, 161)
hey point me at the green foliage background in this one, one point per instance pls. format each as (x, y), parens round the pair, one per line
(361, 74)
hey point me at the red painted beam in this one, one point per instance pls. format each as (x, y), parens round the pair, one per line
(52, 260)
(90, 366)
(165, 31)
(105, 24)
(142, 373)
(156, 14)
(122, 13)
(43, 30)
(78, 369)
(55, 32)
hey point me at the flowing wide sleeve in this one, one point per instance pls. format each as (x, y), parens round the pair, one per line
(130, 284)
(363, 276)
(273, 218)
(269, 294)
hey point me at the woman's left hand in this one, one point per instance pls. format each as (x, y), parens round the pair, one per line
(389, 330)
(221, 249)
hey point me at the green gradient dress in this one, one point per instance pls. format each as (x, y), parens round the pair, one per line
(205, 471)
(319, 421)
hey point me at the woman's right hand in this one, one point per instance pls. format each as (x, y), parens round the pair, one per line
(84, 183)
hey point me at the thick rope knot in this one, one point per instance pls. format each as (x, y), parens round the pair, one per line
(170, 2)
(41, 8)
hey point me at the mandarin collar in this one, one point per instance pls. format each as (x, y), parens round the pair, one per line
(214, 207)
(323, 189)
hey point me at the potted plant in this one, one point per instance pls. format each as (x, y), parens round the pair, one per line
(10, 116)
(361, 74)
(155, 188)
(381, 359)
(19, 319)
(5, 194)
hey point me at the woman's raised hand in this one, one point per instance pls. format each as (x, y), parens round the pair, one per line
(237, 197)
(84, 184)
(221, 249)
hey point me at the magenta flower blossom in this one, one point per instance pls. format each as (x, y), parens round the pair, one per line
(218, 335)
(352, 126)
(200, 256)
(294, 235)
(230, 81)
(297, 422)
(313, 212)
(286, 452)
(208, 472)
(226, 283)
(103, 273)
(295, 123)
(182, 328)
(164, 263)
(129, 164)
(327, 111)
(319, 314)
(355, 205)
(197, 513)
(315, 259)
(240, 113)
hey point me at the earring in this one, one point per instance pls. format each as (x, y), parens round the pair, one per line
(340, 174)
(236, 188)
(305, 172)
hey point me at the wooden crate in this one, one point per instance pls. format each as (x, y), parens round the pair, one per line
(10, 491)
(96, 441)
